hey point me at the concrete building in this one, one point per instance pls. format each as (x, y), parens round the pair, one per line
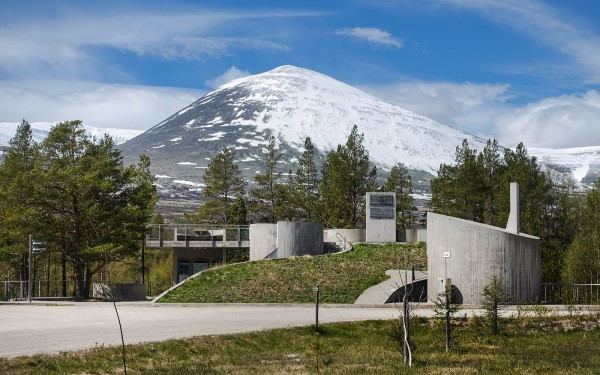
(469, 254)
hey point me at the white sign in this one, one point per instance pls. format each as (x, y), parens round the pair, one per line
(446, 254)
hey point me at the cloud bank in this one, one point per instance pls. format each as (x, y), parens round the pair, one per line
(72, 43)
(100, 105)
(485, 110)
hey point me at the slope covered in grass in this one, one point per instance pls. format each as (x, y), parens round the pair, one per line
(342, 277)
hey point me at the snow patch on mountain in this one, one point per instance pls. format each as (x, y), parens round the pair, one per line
(291, 104)
(578, 160)
(295, 103)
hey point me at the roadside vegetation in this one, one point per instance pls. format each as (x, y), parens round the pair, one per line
(542, 345)
(341, 277)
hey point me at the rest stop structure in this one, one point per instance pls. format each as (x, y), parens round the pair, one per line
(460, 253)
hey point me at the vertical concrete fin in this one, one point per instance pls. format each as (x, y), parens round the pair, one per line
(513, 218)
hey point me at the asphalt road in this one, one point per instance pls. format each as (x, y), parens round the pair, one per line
(27, 329)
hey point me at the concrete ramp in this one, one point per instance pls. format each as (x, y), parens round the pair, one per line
(379, 294)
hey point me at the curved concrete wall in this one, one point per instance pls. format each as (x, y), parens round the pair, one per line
(478, 252)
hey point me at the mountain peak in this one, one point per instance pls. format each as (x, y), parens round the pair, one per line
(293, 103)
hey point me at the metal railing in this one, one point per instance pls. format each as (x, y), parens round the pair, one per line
(16, 290)
(344, 242)
(579, 294)
(159, 235)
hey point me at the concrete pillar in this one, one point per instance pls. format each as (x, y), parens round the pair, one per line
(513, 219)
(381, 217)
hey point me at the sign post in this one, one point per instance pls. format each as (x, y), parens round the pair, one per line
(316, 290)
(30, 273)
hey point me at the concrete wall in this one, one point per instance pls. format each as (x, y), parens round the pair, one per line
(478, 252)
(295, 238)
(351, 235)
(263, 240)
(381, 218)
(119, 292)
(411, 235)
(289, 238)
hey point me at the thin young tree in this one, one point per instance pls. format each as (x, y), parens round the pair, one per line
(494, 298)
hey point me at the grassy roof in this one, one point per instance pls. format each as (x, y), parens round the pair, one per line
(342, 277)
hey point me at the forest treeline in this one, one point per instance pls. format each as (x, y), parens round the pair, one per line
(474, 187)
(90, 210)
(334, 196)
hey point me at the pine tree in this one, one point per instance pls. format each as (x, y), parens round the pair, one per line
(459, 190)
(223, 184)
(564, 216)
(582, 261)
(239, 213)
(534, 191)
(399, 181)
(490, 160)
(94, 209)
(266, 195)
(287, 209)
(18, 215)
(306, 192)
(347, 177)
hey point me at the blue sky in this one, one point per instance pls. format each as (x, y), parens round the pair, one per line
(516, 70)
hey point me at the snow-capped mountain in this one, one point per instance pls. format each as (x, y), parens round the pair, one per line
(290, 103)
(40, 130)
(583, 163)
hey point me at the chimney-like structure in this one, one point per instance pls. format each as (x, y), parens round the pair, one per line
(513, 218)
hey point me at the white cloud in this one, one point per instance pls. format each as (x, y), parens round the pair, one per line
(229, 75)
(557, 122)
(70, 44)
(485, 110)
(465, 106)
(100, 105)
(372, 35)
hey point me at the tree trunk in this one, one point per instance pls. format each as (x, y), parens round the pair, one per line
(78, 272)
(87, 283)
(64, 273)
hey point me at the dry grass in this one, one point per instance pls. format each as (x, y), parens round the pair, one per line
(341, 348)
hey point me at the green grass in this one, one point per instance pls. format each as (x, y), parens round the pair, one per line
(342, 278)
(342, 348)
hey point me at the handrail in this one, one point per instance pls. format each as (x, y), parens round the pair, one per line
(344, 241)
(168, 232)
